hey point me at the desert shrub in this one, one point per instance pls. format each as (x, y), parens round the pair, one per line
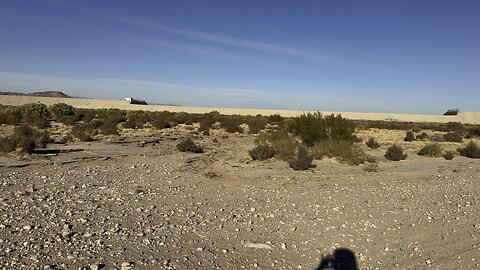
(410, 136)
(205, 125)
(422, 137)
(67, 139)
(314, 127)
(395, 153)
(473, 132)
(115, 112)
(471, 150)
(372, 143)
(356, 139)
(108, 128)
(10, 116)
(69, 120)
(61, 109)
(160, 123)
(256, 124)
(132, 124)
(456, 127)
(85, 115)
(275, 118)
(303, 159)
(262, 152)
(187, 145)
(185, 118)
(453, 137)
(344, 151)
(83, 132)
(24, 139)
(231, 123)
(449, 155)
(283, 144)
(431, 150)
(35, 114)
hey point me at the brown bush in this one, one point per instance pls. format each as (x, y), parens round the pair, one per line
(449, 155)
(231, 123)
(83, 132)
(471, 150)
(344, 151)
(395, 153)
(453, 137)
(24, 139)
(262, 152)
(410, 136)
(283, 144)
(431, 150)
(372, 143)
(422, 137)
(303, 159)
(187, 145)
(256, 124)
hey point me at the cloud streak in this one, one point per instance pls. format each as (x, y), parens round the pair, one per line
(224, 39)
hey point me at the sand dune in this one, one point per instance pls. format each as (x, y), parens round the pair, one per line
(464, 117)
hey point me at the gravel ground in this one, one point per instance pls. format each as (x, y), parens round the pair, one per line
(156, 208)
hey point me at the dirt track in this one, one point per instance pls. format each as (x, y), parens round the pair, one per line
(464, 117)
(121, 206)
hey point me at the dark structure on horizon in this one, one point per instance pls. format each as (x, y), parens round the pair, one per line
(452, 112)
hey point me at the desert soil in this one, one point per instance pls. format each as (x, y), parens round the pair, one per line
(138, 203)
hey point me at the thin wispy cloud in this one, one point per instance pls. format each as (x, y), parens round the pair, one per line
(224, 39)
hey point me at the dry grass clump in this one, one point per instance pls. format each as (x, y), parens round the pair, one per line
(256, 124)
(372, 143)
(262, 152)
(24, 139)
(371, 167)
(422, 137)
(453, 137)
(187, 145)
(471, 150)
(10, 116)
(344, 151)
(283, 144)
(395, 153)
(431, 150)
(83, 132)
(303, 159)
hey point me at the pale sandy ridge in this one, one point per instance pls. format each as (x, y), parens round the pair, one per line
(464, 117)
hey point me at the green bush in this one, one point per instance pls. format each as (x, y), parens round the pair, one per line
(231, 123)
(132, 124)
(10, 116)
(395, 153)
(471, 150)
(431, 150)
(314, 127)
(303, 159)
(262, 152)
(275, 118)
(161, 123)
(410, 136)
(24, 139)
(372, 143)
(61, 109)
(453, 137)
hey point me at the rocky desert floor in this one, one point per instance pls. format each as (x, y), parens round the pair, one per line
(138, 203)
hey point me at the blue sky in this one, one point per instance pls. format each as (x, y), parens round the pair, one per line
(373, 56)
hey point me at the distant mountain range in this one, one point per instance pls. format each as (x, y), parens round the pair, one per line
(56, 94)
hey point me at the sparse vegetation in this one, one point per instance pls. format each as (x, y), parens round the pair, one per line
(83, 132)
(453, 137)
(188, 145)
(283, 144)
(372, 143)
(61, 109)
(471, 150)
(395, 153)
(410, 136)
(303, 159)
(256, 124)
(232, 123)
(262, 152)
(449, 155)
(431, 150)
(371, 167)
(24, 139)
(422, 137)
(314, 127)
(343, 151)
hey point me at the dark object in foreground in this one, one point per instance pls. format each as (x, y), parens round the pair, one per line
(341, 259)
(472, 150)
(187, 145)
(395, 153)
